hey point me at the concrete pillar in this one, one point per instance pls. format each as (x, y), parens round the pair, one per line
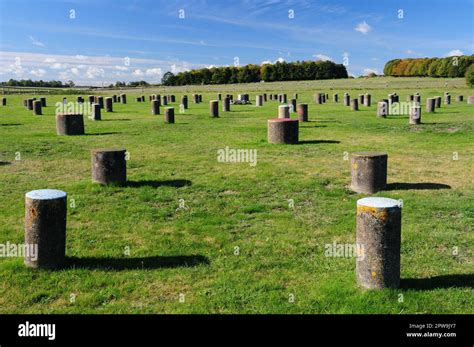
(155, 107)
(293, 105)
(169, 114)
(284, 99)
(354, 105)
(318, 98)
(123, 98)
(437, 101)
(264, 97)
(430, 105)
(226, 104)
(139, 99)
(382, 109)
(29, 104)
(108, 104)
(214, 108)
(259, 100)
(367, 100)
(283, 111)
(447, 99)
(378, 237)
(283, 131)
(302, 110)
(415, 114)
(96, 114)
(45, 228)
(43, 101)
(347, 99)
(184, 102)
(91, 99)
(100, 101)
(361, 99)
(37, 108)
(369, 172)
(109, 166)
(196, 98)
(417, 98)
(470, 99)
(335, 98)
(164, 100)
(69, 124)
(114, 98)
(4, 101)
(459, 98)
(173, 98)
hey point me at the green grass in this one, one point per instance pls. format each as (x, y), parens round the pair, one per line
(281, 250)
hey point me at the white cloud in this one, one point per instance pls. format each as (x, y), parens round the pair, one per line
(137, 72)
(36, 42)
(280, 60)
(454, 53)
(322, 57)
(266, 62)
(75, 71)
(363, 27)
(38, 72)
(58, 66)
(369, 71)
(94, 72)
(153, 72)
(121, 68)
(50, 60)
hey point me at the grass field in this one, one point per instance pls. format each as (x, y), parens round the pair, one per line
(238, 246)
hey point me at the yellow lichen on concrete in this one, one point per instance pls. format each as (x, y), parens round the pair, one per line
(373, 211)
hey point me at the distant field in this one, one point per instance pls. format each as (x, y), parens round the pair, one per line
(238, 247)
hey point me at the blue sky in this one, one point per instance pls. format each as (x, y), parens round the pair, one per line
(95, 42)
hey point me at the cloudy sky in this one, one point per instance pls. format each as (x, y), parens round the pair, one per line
(95, 42)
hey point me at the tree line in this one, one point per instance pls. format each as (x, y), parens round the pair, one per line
(29, 83)
(280, 71)
(429, 67)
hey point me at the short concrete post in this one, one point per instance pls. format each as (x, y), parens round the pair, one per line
(123, 98)
(470, 99)
(459, 98)
(29, 104)
(415, 114)
(382, 109)
(361, 99)
(4, 101)
(164, 101)
(447, 99)
(96, 113)
(169, 115)
(369, 172)
(45, 228)
(354, 105)
(302, 110)
(283, 111)
(100, 101)
(378, 237)
(108, 104)
(37, 108)
(184, 102)
(109, 166)
(226, 104)
(293, 105)
(367, 100)
(69, 124)
(155, 107)
(43, 101)
(430, 105)
(214, 108)
(259, 100)
(283, 131)
(347, 99)
(417, 98)
(335, 98)
(91, 99)
(437, 101)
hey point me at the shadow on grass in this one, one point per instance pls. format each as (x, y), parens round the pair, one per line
(101, 134)
(438, 282)
(2, 163)
(417, 186)
(118, 264)
(10, 125)
(315, 142)
(156, 184)
(116, 119)
(313, 126)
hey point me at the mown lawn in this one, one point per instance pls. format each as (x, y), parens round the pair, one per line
(238, 246)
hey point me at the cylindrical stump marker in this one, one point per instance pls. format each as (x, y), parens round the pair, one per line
(100, 101)
(354, 105)
(155, 107)
(37, 108)
(335, 98)
(109, 166)
(184, 102)
(447, 99)
(169, 114)
(259, 100)
(347, 99)
(430, 105)
(214, 108)
(69, 124)
(470, 99)
(415, 114)
(283, 111)
(367, 100)
(379, 222)
(29, 104)
(108, 104)
(369, 172)
(91, 99)
(361, 99)
(43, 101)
(283, 131)
(293, 105)
(302, 110)
(382, 109)
(96, 113)
(438, 101)
(226, 104)
(45, 228)
(4, 101)
(417, 98)
(459, 98)
(123, 98)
